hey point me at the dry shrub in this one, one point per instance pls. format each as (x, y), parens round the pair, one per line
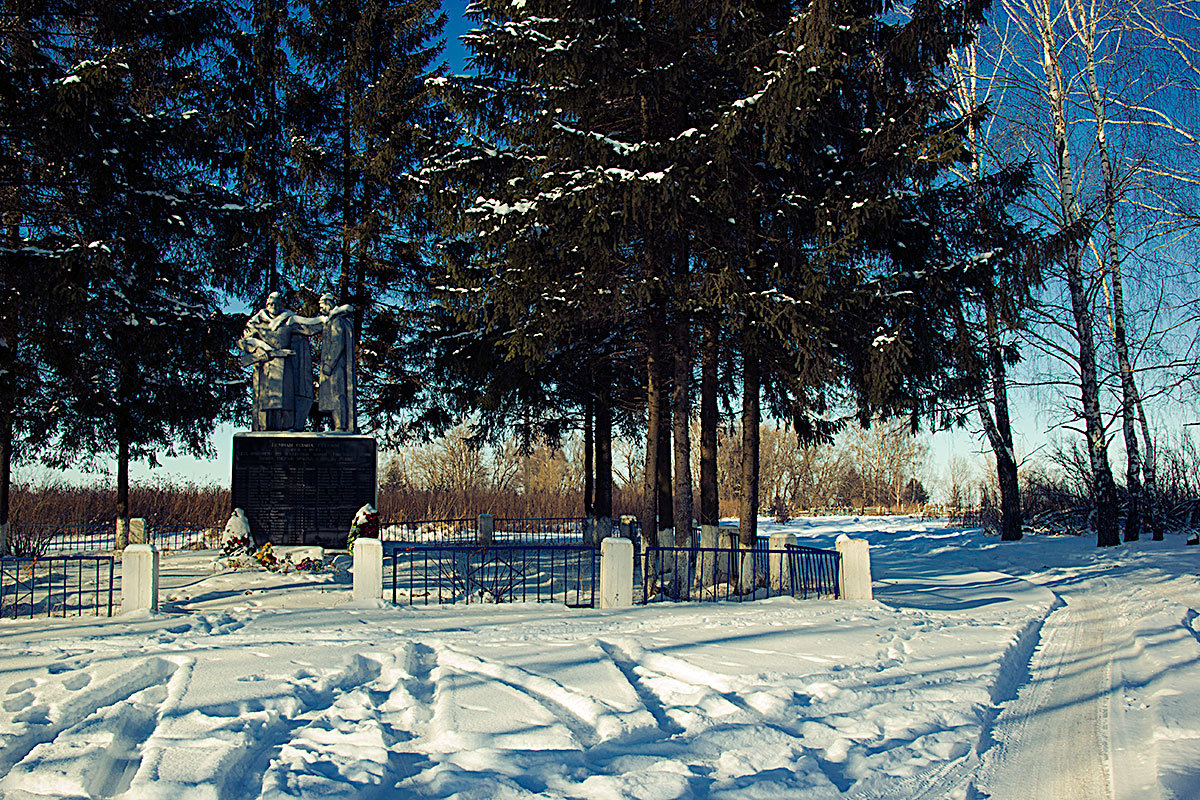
(409, 504)
(59, 503)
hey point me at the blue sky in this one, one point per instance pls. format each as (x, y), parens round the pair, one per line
(456, 26)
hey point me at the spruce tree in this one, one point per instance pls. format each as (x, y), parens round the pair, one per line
(138, 362)
(367, 75)
(36, 257)
(780, 167)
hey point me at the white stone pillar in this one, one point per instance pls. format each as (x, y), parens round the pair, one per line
(779, 565)
(137, 531)
(616, 573)
(854, 578)
(486, 530)
(139, 578)
(368, 569)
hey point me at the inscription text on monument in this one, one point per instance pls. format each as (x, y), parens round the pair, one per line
(302, 488)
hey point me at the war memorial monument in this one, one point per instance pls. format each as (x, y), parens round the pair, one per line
(298, 486)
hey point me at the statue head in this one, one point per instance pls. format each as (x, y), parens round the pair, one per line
(274, 304)
(328, 302)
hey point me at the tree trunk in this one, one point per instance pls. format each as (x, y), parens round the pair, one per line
(6, 440)
(1103, 489)
(666, 505)
(122, 472)
(360, 264)
(710, 513)
(682, 409)
(347, 192)
(1129, 399)
(270, 88)
(1150, 488)
(9, 350)
(999, 433)
(602, 503)
(751, 379)
(653, 407)
(588, 461)
(1085, 30)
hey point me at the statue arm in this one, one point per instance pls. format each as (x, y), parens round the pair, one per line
(253, 345)
(309, 326)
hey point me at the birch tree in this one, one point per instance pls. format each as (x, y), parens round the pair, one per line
(1050, 129)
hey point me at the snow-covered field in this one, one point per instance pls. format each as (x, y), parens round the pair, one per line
(1039, 669)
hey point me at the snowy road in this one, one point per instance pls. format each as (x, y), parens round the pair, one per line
(1100, 712)
(983, 672)
(1052, 740)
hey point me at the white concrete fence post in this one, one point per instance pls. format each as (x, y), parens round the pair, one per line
(139, 578)
(368, 569)
(616, 573)
(854, 577)
(486, 530)
(778, 563)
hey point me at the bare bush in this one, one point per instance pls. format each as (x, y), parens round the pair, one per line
(56, 502)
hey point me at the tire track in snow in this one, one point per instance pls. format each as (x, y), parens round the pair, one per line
(589, 720)
(21, 753)
(952, 779)
(627, 666)
(641, 667)
(1052, 740)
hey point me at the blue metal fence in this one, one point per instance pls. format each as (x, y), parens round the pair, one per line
(538, 529)
(38, 539)
(814, 571)
(184, 535)
(430, 574)
(465, 531)
(56, 586)
(736, 573)
(35, 539)
(431, 531)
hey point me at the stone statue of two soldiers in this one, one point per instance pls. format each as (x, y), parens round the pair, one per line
(275, 342)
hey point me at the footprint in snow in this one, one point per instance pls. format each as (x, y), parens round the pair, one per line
(18, 702)
(21, 686)
(77, 681)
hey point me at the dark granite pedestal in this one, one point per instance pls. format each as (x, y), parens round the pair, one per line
(302, 488)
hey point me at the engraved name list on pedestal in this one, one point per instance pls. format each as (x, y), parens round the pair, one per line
(302, 488)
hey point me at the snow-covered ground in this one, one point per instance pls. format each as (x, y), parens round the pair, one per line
(1039, 669)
